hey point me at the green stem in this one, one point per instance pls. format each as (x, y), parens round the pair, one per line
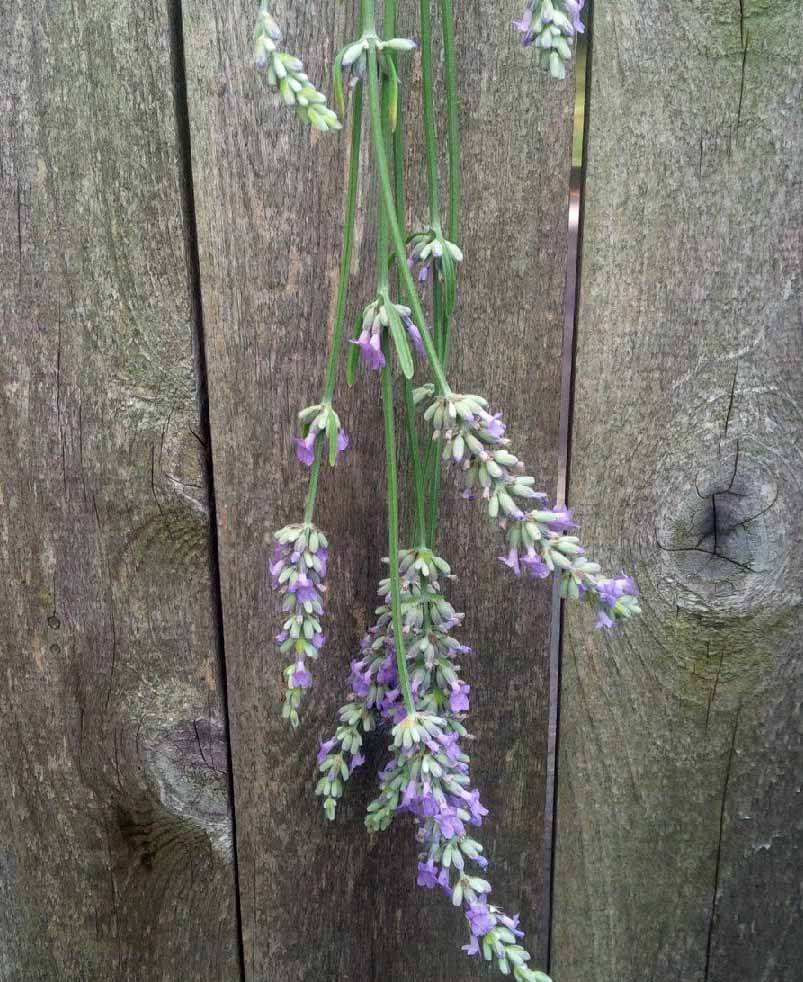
(418, 471)
(409, 405)
(434, 447)
(367, 16)
(395, 231)
(430, 138)
(434, 498)
(348, 241)
(393, 530)
(312, 487)
(452, 120)
(342, 291)
(453, 145)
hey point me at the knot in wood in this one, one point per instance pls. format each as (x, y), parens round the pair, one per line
(722, 533)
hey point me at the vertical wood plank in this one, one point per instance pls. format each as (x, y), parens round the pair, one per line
(115, 852)
(680, 768)
(269, 195)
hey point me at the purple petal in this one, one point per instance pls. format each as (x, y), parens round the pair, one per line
(305, 450)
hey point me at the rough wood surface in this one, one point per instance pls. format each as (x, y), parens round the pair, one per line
(680, 769)
(115, 858)
(320, 901)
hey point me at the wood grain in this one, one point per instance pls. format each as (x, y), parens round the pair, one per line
(115, 852)
(680, 767)
(320, 901)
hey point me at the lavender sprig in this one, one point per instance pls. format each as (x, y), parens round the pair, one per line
(285, 73)
(428, 772)
(538, 539)
(316, 422)
(379, 315)
(551, 26)
(298, 573)
(428, 247)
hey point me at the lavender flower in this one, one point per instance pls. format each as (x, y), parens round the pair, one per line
(551, 26)
(427, 776)
(428, 247)
(537, 538)
(285, 72)
(376, 317)
(315, 421)
(298, 573)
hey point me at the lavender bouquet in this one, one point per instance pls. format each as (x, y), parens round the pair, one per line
(405, 681)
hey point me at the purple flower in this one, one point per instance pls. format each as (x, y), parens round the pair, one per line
(535, 565)
(458, 701)
(609, 591)
(360, 679)
(342, 441)
(414, 334)
(449, 824)
(573, 8)
(495, 425)
(370, 350)
(356, 761)
(524, 27)
(451, 744)
(390, 700)
(427, 876)
(480, 919)
(304, 590)
(475, 806)
(387, 671)
(325, 748)
(563, 519)
(511, 560)
(511, 923)
(305, 449)
(300, 678)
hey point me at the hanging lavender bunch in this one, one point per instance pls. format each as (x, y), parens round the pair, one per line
(550, 26)
(421, 703)
(406, 682)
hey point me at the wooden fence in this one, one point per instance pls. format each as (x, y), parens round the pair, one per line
(166, 232)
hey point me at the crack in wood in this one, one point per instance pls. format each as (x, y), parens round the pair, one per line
(730, 401)
(717, 866)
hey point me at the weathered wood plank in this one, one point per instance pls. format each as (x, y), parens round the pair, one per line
(680, 768)
(115, 859)
(268, 196)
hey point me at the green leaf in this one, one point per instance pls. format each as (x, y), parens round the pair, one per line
(331, 436)
(353, 357)
(449, 280)
(399, 335)
(340, 97)
(393, 95)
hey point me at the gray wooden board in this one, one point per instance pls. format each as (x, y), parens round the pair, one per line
(115, 857)
(680, 770)
(319, 900)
